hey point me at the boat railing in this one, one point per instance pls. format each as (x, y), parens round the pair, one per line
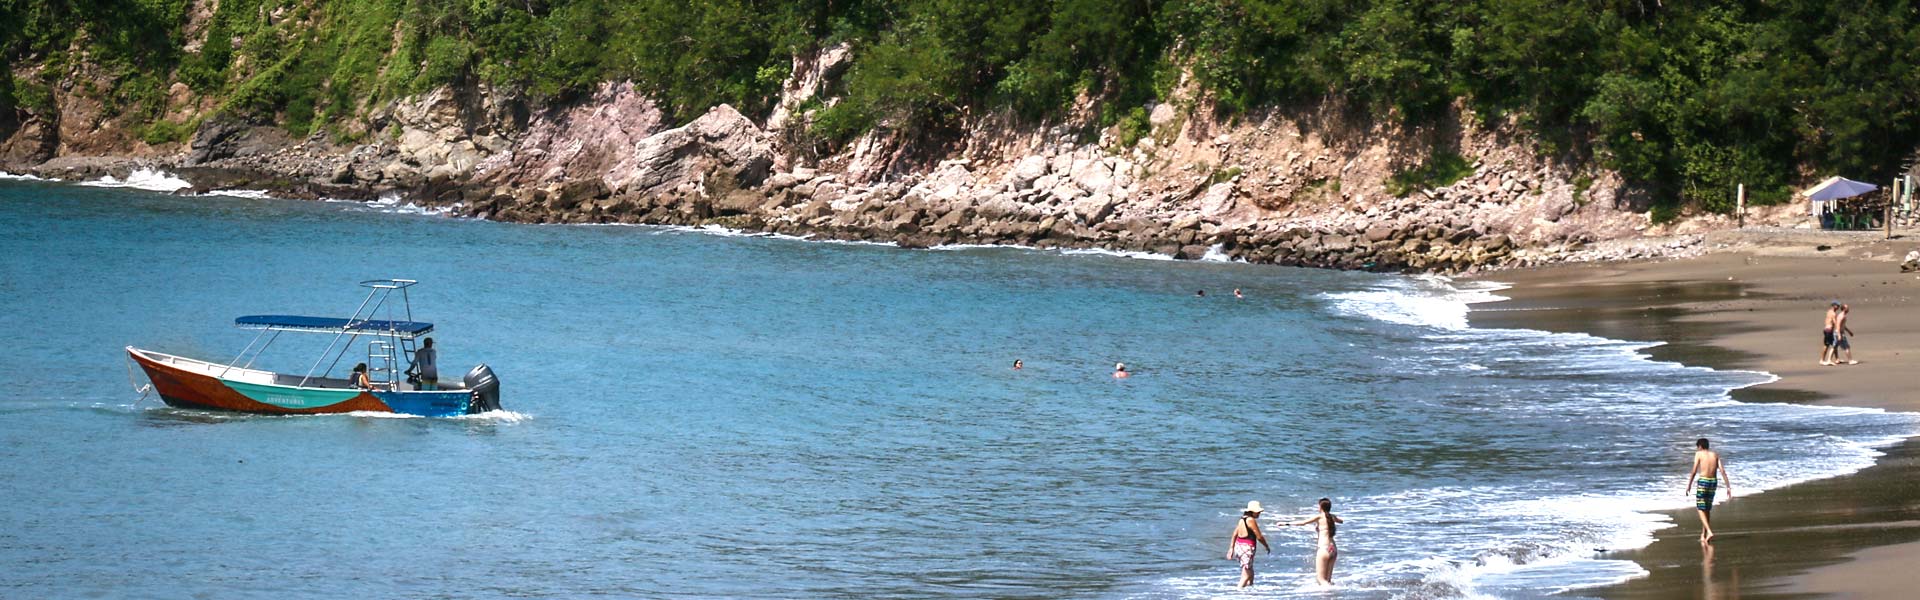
(383, 290)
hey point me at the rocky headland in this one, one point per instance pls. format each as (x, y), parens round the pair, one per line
(1303, 186)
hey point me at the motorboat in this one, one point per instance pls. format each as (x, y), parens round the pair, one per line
(387, 386)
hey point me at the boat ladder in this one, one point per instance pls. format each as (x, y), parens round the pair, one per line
(380, 363)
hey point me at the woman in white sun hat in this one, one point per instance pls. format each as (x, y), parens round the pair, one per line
(1245, 534)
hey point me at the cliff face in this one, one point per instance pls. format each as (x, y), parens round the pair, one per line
(1306, 186)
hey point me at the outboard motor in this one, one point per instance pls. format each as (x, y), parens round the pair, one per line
(485, 387)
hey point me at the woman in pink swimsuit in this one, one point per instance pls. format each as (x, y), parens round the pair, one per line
(1325, 522)
(1245, 535)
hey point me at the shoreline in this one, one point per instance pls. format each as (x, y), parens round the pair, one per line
(1754, 303)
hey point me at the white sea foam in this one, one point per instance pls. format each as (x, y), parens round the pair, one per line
(1431, 301)
(249, 194)
(1831, 441)
(1218, 253)
(5, 176)
(503, 416)
(1133, 254)
(374, 414)
(394, 203)
(721, 231)
(143, 179)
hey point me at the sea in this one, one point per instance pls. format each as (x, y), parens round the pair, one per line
(703, 413)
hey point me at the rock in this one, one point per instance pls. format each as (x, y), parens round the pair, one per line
(399, 172)
(738, 202)
(1185, 222)
(950, 221)
(721, 140)
(224, 137)
(1218, 201)
(1026, 171)
(829, 191)
(1093, 209)
(1094, 176)
(1379, 233)
(341, 174)
(1162, 114)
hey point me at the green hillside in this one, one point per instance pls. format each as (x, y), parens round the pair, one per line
(1686, 98)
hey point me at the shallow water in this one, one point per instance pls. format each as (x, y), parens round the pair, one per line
(695, 415)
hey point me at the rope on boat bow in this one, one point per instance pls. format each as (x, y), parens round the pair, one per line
(143, 390)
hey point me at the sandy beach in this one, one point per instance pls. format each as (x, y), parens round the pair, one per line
(1755, 301)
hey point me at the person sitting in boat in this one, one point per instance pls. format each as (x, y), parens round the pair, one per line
(425, 372)
(360, 379)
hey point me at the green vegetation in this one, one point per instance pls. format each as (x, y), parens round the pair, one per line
(1442, 168)
(1663, 212)
(163, 131)
(1134, 126)
(1685, 98)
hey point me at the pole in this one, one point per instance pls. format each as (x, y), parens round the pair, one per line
(1890, 199)
(1740, 206)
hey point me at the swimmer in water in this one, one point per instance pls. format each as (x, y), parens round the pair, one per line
(1017, 364)
(1200, 294)
(1120, 371)
(1236, 293)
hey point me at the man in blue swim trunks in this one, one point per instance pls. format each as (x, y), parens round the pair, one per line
(1702, 483)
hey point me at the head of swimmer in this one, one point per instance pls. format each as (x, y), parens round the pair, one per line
(1326, 505)
(1700, 443)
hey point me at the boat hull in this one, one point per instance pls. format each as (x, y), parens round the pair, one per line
(186, 388)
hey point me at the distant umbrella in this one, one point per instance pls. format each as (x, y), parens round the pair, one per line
(1837, 187)
(1834, 188)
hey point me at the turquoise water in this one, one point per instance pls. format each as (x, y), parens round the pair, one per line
(699, 414)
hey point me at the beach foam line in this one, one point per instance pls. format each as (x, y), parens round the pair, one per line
(1627, 519)
(143, 178)
(5, 176)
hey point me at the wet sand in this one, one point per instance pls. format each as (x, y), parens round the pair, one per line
(1756, 302)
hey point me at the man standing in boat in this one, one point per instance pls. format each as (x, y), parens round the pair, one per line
(426, 369)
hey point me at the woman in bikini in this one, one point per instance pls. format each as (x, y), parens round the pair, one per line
(1245, 535)
(1325, 523)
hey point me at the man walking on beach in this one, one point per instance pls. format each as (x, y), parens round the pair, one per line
(1706, 465)
(1842, 336)
(1826, 334)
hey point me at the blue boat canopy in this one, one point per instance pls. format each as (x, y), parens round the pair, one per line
(405, 329)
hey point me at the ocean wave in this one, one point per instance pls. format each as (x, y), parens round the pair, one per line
(1803, 442)
(5, 176)
(394, 203)
(1428, 301)
(152, 180)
